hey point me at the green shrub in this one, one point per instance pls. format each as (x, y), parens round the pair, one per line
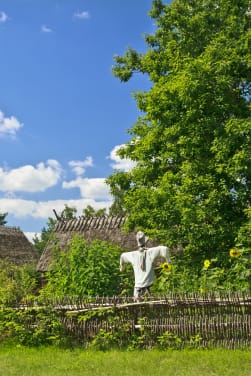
(85, 270)
(31, 327)
(16, 282)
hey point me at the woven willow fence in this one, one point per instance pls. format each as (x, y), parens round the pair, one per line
(171, 321)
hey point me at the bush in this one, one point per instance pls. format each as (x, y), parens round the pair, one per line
(31, 327)
(85, 270)
(16, 282)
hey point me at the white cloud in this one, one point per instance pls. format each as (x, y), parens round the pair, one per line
(29, 178)
(46, 29)
(82, 15)
(120, 164)
(21, 208)
(94, 188)
(31, 235)
(79, 166)
(3, 17)
(9, 125)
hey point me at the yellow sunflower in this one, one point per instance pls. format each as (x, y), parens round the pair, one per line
(166, 267)
(234, 252)
(207, 263)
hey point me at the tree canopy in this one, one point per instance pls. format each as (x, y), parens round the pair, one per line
(192, 143)
(89, 211)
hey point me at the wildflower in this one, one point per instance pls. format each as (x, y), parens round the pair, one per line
(166, 267)
(207, 263)
(234, 252)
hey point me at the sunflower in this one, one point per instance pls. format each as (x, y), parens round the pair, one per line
(207, 263)
(166, 267)
(234, 252)
(202, 290)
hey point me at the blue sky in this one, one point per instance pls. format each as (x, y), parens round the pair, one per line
(62, 113)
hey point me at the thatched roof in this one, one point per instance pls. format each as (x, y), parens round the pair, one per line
(90, 228)
(16, 248)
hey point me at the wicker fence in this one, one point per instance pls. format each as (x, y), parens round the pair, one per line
(173, 321)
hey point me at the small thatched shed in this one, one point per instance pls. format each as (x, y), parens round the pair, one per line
(16, 248)
(90, 228)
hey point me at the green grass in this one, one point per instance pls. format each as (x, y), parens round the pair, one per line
(55, 362)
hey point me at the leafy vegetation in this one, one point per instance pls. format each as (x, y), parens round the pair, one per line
(16, 282)
(40, 242)
(192, 182)
(85, 270)
(3, 219)
(89, 211)
(231, 272)
(30, 327)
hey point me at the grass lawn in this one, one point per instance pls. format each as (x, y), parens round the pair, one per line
(57, 362)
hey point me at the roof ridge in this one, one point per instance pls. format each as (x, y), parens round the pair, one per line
(90, 222)
(10, 229)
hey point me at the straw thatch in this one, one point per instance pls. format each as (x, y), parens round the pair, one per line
(106, 228)
(15, 247)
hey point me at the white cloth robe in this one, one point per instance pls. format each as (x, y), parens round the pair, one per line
(144, 278)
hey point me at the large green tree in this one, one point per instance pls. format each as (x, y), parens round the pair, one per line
(192, 143)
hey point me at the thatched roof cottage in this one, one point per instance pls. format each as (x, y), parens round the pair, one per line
(107, 228)
(16, 248)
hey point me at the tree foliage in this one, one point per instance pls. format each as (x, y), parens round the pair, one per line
(89, 211)
(3, 219)
(69, 212)
(192, 143)
(41, 241)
